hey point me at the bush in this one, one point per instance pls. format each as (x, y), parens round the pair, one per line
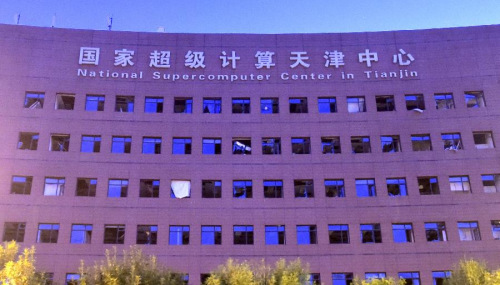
(18, 269)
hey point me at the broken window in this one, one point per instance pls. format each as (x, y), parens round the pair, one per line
(356, 104)
(183, 105)
(371, 233)
(307, 234)
(114, 234)
(452, 141)
(13, 232)
(483, 140)
(338, 234)
(179, 235)
(28, 141)
(360, 145)
(444, 101)
(415, 102)
(211, 235)
(366, 188)
(301, 145)
(86, 187)
(435, 231)
(242, 146)
(21, 185)
(271, 146)
(151, 145)
(149, 188)
(421, 142)
(304, 188)
(211, 146)
(330, 145)
(94, 103)
(180, 189)
(403, 233)
(345, 278)
(211, 189)
(81, 234)
(440, 277)
(212, 105)
(54, 186)
(410, 278)
(298, 105)
(495, 228)
(147, 234)
(390, 143)
(273, 189)
(181, 146)
(241, 105)
(428, 185)
(91, 143)
(334, 188)
(269, 106)
(385, 103)
(242, 189)
(153, 105)
(121, 144)
(327, 105)
(59, 142)
(460, 184)
(491, 183)
(117, 188)
(275, 234)
(396, 187)
(474, 99)
(65, 101)
(34, 100)
(124, 104)
(47, 233)
(468, 231)
(243, 234)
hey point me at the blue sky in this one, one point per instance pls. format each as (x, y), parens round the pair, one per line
(256, 16)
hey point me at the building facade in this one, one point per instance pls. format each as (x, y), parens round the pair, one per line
(364, 154)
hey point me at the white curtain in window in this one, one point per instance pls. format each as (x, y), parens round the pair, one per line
(181, 188)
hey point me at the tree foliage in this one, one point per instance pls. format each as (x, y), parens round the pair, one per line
(18, 269)
(472, 272)
(382, 281)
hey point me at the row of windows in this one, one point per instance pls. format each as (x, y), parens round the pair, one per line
(243, 145)
(303, 188)
(244, 234)
(213, 105)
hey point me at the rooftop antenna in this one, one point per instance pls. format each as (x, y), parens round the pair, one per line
(161, 29)
(110, 22)
(54, 21)
(17, 17)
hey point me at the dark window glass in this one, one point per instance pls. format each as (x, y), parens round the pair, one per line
(303, 188)
(444, 101)
(298, 105)
(361, 145)
(415, 102)
(13, 232)
(241, 105)
(273, 188)
(86, 187)
(385, 103)
(338, 233)
(28, 141)
(428, 185)
(114, 234)
(211, 189)
(301, 145)
(149, 188)
(183, 105)
(147, 234)
(436, 231)
(243, 234)
(390, 143)
(47, 233)
(65, 102)
(334, 188)
(21, 185)
(242, 189)
(271, 146)
(371, 233)
(124, 104)
(396, 187)
(421, 142)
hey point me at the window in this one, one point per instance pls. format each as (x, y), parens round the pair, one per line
(34, 100)
(121, 144)
(181, 146)
(86, 187)
(271, 146)
(435, 231)
(91, 144)
(334, 188)
(306, 234)
(273, 189)
(338, 234)
(65, 101)
(374, 275)
(59, 142)
(330, 145)
(243, 234)
(180, 189)
(444, 101)
(242, 189)
(402, 233)
(49, 278)
(439, 277)
(117, 188)
(428, 185)
(211, 189)
(390, 143)
(360, 145)
(114, 234)
(474, 99)
(371, 233)
(396, 187)
(275, 234)
(242, 146)
(124, 104)
(54, 186)
(211, 146)
(269, 106)
(366, 188)
(410, 278)
(21, 185)
(415, 102)
(327, 105)
(81, 234)
(14, 231)
(342, 278)
(468, 231)
(491, 183)
(460, 184)
(151, 145)
(212, 105)
(94, 103)
(421, 142)
(385, 103)
(303, 188)
(149, 188)
(72, 279)
(298, 105)
(47, 233)
(301, 145)
(183, 105)
(185, 279)
(211, 235)
(241, 105)
(153, 105)
(313, 279)
(28, 141)
(495, 228)
(483, 140)
(147, 234)
(356, 104)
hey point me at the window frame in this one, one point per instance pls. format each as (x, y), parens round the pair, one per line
(246, 191)
(25, 186)
(90, 144)
(47, 233)
(330, 145)
(275, 235)
(369, 184)
(94, 103)
(360, 144)
(211, 146)
(468, 231)
(301, 145)
(444, 101)
(183, 105)
(243, 235)
(271, 145)
(240, 105)
(211, 235)
(433, 185)
(211, 189)
(114, 234)
(149, 188)
(338, 234)
(419, 142)
(147, 234)
(28, 141)
(181, 146)
(303, 188)
(385, 103)
(151, 145)
(90, 187)
(371, 233)
(276, 189)
(390, 143)
(298, 105)
(402, 189)
(435, 231)
(403, 233)
(335, 192)
(14, 231)
(59, 182)
(418, 102)
(81, 234)
(113, 184)
(121, 143)
(34, 100)
(356, 104)
(212, 105)
(269, 105)
(327, 105)
(178, 235)
(124, 102)
(307, 234)
(154, 104)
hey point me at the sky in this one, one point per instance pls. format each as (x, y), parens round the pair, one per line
(255, 16)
